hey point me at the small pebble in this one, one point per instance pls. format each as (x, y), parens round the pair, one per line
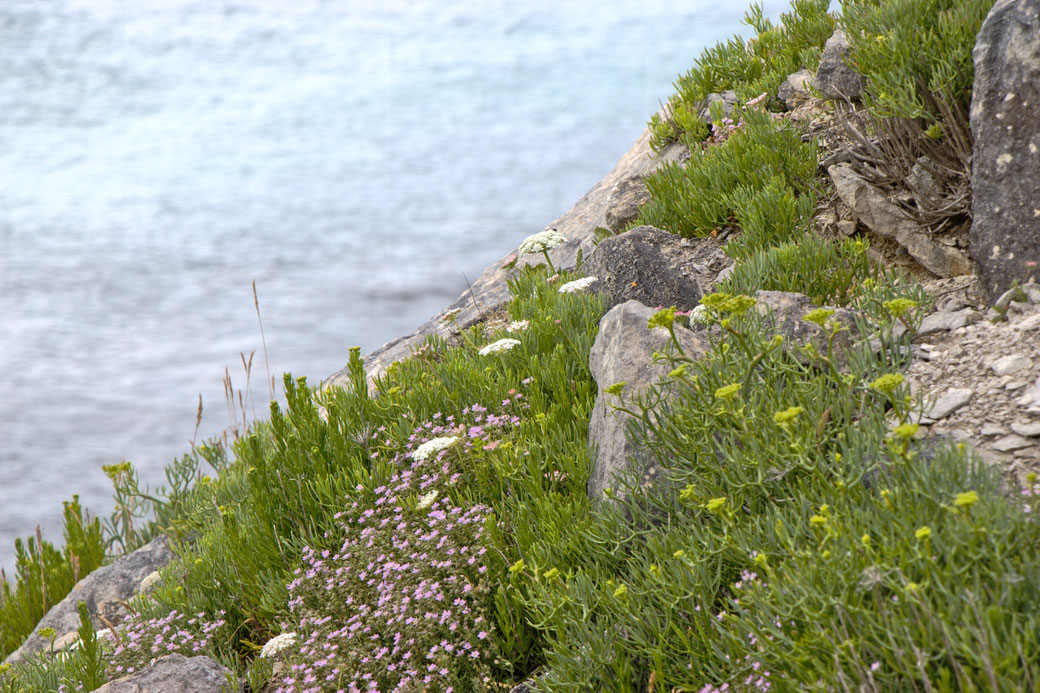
(1029, 430)
(1012, 363)
(992, 429)
(1009, 443)
(1019, 307)
(948, 403)
(1030, 323)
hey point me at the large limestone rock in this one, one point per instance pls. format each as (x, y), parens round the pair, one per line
(623, 351)
(1005, 125)
(175, 674)
(648, 265)
(490, 291)
(105, 590)
(885, 219)
(834, 78)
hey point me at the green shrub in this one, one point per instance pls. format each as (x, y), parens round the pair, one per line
(802, 541)
(910, 84)
(325, 451)
(827, 271)
(761, 159)
(768, 216)
(916, 101)
(79, 668)
(44, 574)
(750, 68)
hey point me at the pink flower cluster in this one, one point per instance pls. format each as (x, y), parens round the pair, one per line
(396, 602)
(142, 641)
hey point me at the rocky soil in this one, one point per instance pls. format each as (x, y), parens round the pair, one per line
(979, 374)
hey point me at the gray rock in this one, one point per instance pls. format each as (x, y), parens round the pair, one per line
(923, 184)
(1010, 443)
(728, 99)
(847, 227)
(1033, 393)
(946, 322)
(175, 674)
(624, 202)
(1012, 295)
(150, 582)
(724, 274)
(490, 291)
(834, 78)
(784, 314)
(528, 686)
(105, 591)
(1029, 430)
(623, 352)
(1005, 176)
(948, 403)
(1012, 363)
(647, 265)
(795, 89)
(992, 429)
(1026, 324)
(886, 219)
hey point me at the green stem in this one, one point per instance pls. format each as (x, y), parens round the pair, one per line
(552, 270)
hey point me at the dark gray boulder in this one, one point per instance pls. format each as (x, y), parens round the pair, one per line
(647, 265)
(175, 674)
(105, 591)
(834, 78)
(1005, 126)
(623, 352)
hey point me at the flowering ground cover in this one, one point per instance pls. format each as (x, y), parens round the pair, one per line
(434, 533)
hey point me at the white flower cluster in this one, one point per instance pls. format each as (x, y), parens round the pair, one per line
(699, 315)
(539, 242)
(432, 447)
(277, 644)
(516, 326)
(499, 346)
(426, 501)
(578, 285)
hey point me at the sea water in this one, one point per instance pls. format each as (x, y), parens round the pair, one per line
(358, 160)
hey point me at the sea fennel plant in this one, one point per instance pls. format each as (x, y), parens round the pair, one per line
(803, 540)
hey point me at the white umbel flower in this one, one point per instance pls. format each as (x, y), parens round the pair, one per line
(540, 242)
(516, 326)
(426, 501)
(499, 346)
(277, 644)
(432, 447)
(578, 285)
(699, 315)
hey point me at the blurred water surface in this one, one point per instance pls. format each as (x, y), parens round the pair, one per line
(357, 159)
